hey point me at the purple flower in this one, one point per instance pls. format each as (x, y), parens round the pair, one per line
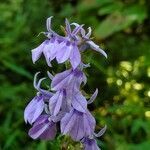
(66, 47)
(77, 124)
(34, 109)
(36, 106)
(90, 144)
(68, 79)
(66, 104)
(43, 128)
(48, 48)
(59, 47)
(88, 42)
(60, 101)
(70, 50)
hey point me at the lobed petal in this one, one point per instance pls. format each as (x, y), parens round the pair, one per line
(64, 53)
(67, 122)
(37, 52)
(79, 102)
(89, 124)
(75, 57)
(47, 54)
(55, 103)
(43, 129)
(77, 124)
(61, 80)
(33, 110)
(77, 131)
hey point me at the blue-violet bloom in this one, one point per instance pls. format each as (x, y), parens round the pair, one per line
(64, 101)
(36, 106)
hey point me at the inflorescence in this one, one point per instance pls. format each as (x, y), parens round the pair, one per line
(63, 101)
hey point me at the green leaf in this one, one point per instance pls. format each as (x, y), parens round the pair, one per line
(104, 2)
(107, 9)
(135, 13)
(137, 124)
(11, 139)
(16, 68)
(120, 20)
(42, 145)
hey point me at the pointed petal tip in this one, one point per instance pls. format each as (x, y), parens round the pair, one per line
(36, 53)
(50, 75)
(96, 48)
(25, 119)
(75, 24)
(41, 33)
(101, 132)
(48, 23)
(35, 79)
(49, 18)
(105, 55)
(93, 97)
(49, 64)
(33, 61)
(66, 20)
(102, 52)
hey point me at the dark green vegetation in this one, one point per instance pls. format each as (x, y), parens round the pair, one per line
(122, 27)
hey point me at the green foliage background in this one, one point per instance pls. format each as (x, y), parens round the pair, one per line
(122, 29)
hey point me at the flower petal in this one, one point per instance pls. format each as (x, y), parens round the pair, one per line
(47, 55)
(43, 128)
(54, 48)
(36, 131)
(93, 97)
(101, 132)
(49, 133)
(77, 29)
(68, 28)
(48, 23)
(55, 102)
(33, 109)
(37, 52)
(75, 57)
(96, 48)
(89, 124)
(79, 102)
(77, 131)
(61, 80)
(64, 53)
(50, 75)
(67, 122)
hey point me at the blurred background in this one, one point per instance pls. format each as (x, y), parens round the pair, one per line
(121, 28)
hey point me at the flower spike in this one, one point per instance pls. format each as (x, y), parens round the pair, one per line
(63, 103)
